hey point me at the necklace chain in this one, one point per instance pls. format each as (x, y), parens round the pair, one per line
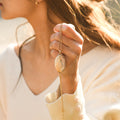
(60, 52)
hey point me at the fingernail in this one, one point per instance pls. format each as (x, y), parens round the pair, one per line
(58, 27)
(72, 26)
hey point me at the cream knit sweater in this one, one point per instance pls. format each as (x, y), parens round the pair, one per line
(100, 77)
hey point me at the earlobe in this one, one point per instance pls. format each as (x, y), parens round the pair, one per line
(37, 2)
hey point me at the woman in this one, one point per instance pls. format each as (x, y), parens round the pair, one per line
(33, 73)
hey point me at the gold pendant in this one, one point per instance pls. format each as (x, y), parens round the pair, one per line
(60, 63)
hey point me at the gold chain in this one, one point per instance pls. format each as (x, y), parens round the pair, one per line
(60, 52)
(61, 41)
(62, 101)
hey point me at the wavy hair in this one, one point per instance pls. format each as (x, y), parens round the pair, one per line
(89, 19)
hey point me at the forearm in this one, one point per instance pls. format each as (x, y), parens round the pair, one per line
(69, 84)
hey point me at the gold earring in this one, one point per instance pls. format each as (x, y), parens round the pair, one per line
(37, 3)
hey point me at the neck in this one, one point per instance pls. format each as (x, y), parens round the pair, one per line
(43, 30)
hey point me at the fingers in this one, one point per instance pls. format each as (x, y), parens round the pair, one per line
(54, 46)
(69, 31)
(71, 44)
(54, 53)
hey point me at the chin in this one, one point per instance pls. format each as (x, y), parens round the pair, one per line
(8, 16)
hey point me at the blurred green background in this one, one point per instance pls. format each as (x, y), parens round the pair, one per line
(114, 6)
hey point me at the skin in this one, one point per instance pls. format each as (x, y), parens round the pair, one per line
(38, 55)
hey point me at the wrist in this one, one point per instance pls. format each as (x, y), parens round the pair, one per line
(69, 85)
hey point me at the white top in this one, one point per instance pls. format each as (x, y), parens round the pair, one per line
(23, 104)
(27, 106)
(100, 74)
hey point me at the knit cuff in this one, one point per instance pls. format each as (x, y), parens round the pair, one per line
(73, 104)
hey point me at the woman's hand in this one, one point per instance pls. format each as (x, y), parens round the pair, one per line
(72, 43)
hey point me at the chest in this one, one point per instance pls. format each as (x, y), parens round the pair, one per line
(39, 76)
(23, 104)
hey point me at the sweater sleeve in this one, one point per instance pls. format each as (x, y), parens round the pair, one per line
(73, 104)
(3, 86)
(2, 115)
(2, 101)
(102, 89)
